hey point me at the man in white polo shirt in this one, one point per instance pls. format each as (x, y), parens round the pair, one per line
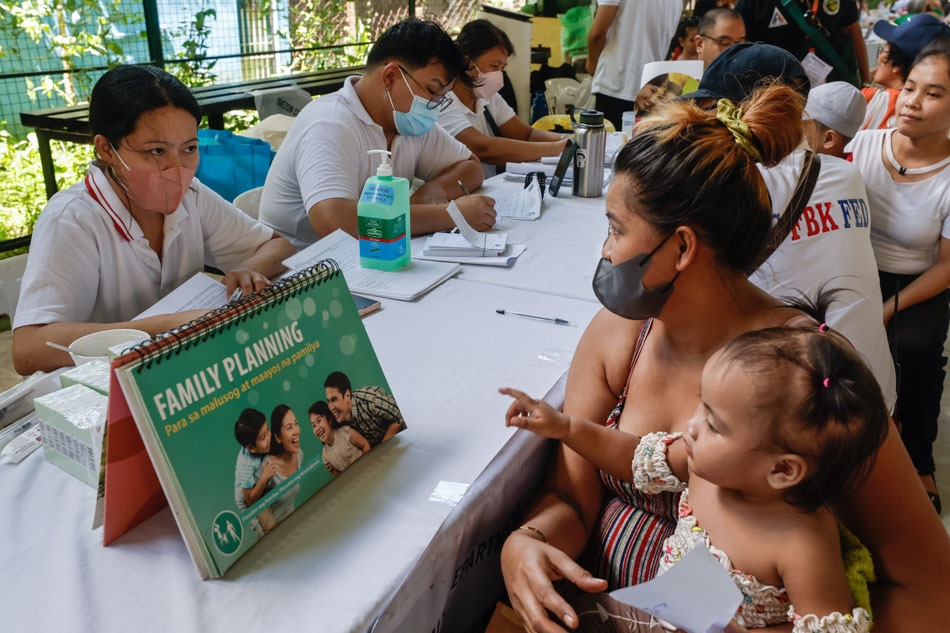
(625, 35)
(316, 178)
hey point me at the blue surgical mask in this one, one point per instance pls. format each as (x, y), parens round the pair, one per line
(620, 288)
(420, 118)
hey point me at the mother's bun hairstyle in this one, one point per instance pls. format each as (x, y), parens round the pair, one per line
(697, 167)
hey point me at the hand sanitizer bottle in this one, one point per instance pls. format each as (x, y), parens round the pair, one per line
(383, 213)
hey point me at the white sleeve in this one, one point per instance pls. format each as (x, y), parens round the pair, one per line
(454, 118)
(230, 235)
(329, 163)
(438, 151)
(61, 280)
(500, 110)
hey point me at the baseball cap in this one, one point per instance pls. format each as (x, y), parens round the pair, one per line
(837, 105)
(736, 72)
(912, 35)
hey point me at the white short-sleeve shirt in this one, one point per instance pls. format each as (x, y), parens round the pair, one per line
(639, 33)
(907, 218)
(457, 118)
(829, 250)
(324, 156)
(90, 261)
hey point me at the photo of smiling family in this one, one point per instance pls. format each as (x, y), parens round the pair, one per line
(348, 424)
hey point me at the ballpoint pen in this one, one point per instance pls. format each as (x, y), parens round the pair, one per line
(463, 188)
(554, 320)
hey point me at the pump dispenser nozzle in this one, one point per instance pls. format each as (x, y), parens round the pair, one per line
(384, 169)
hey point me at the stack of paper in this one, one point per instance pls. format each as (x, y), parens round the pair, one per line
(520, 170)
(456, 244)
(523, 204)
(406, 284)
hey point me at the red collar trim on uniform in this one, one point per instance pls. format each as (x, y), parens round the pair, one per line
(93, 188)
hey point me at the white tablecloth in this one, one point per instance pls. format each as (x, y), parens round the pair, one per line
(337, 562)
(563, 246)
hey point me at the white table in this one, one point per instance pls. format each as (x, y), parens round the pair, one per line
(563, 246)
(337, 562)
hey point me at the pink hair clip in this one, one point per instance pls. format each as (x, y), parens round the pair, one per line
(823, 328)
(826, 382)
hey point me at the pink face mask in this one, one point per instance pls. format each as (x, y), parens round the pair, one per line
(158, 191)
(491, 82)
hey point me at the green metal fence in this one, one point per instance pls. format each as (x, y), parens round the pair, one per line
(51, 54)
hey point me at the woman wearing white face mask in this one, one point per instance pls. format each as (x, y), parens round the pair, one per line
(479, 117)
(136, 227)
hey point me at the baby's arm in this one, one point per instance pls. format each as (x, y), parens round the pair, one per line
(813, 574)
(608, 449)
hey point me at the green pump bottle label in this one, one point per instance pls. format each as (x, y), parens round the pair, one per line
(385, 230)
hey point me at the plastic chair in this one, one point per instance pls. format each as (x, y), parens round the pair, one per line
(873, 46)
(563, 123)
(11, 274)
(273, 129)
(561, 92)
(250, 201)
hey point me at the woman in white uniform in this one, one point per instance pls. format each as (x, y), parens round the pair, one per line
(136, 227)
(479, 117)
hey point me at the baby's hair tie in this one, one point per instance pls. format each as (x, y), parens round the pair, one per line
(823, 328)
(826, 383)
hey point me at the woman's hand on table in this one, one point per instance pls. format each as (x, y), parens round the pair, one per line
(529, 567)
(247, 280)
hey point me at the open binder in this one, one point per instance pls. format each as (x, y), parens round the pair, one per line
(175, 400)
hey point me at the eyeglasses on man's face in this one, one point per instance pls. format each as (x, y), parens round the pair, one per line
(439, 101)
(723, 41)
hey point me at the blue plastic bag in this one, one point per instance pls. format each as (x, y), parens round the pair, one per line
(232, 164)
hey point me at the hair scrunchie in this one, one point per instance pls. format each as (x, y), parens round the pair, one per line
(729, 115)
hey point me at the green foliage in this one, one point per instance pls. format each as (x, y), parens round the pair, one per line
(239, 120)
(196, 69)
(315, 23)
(61, 28)
(24, 193)
(71, 31)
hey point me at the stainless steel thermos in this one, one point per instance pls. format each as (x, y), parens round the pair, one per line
(590, 136)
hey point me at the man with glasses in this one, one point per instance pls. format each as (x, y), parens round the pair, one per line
(718, 30)
(315, 181)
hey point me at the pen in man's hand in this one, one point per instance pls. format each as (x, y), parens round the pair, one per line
(235, 295)
(554, 320)
(464, 188)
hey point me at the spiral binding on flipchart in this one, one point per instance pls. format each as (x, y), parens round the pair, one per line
(208, 325)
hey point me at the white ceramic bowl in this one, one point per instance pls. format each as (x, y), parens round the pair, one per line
(96, 346)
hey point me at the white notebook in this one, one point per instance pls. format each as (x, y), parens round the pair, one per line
(416, 279)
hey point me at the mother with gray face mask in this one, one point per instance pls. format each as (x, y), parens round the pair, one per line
(688, 215)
